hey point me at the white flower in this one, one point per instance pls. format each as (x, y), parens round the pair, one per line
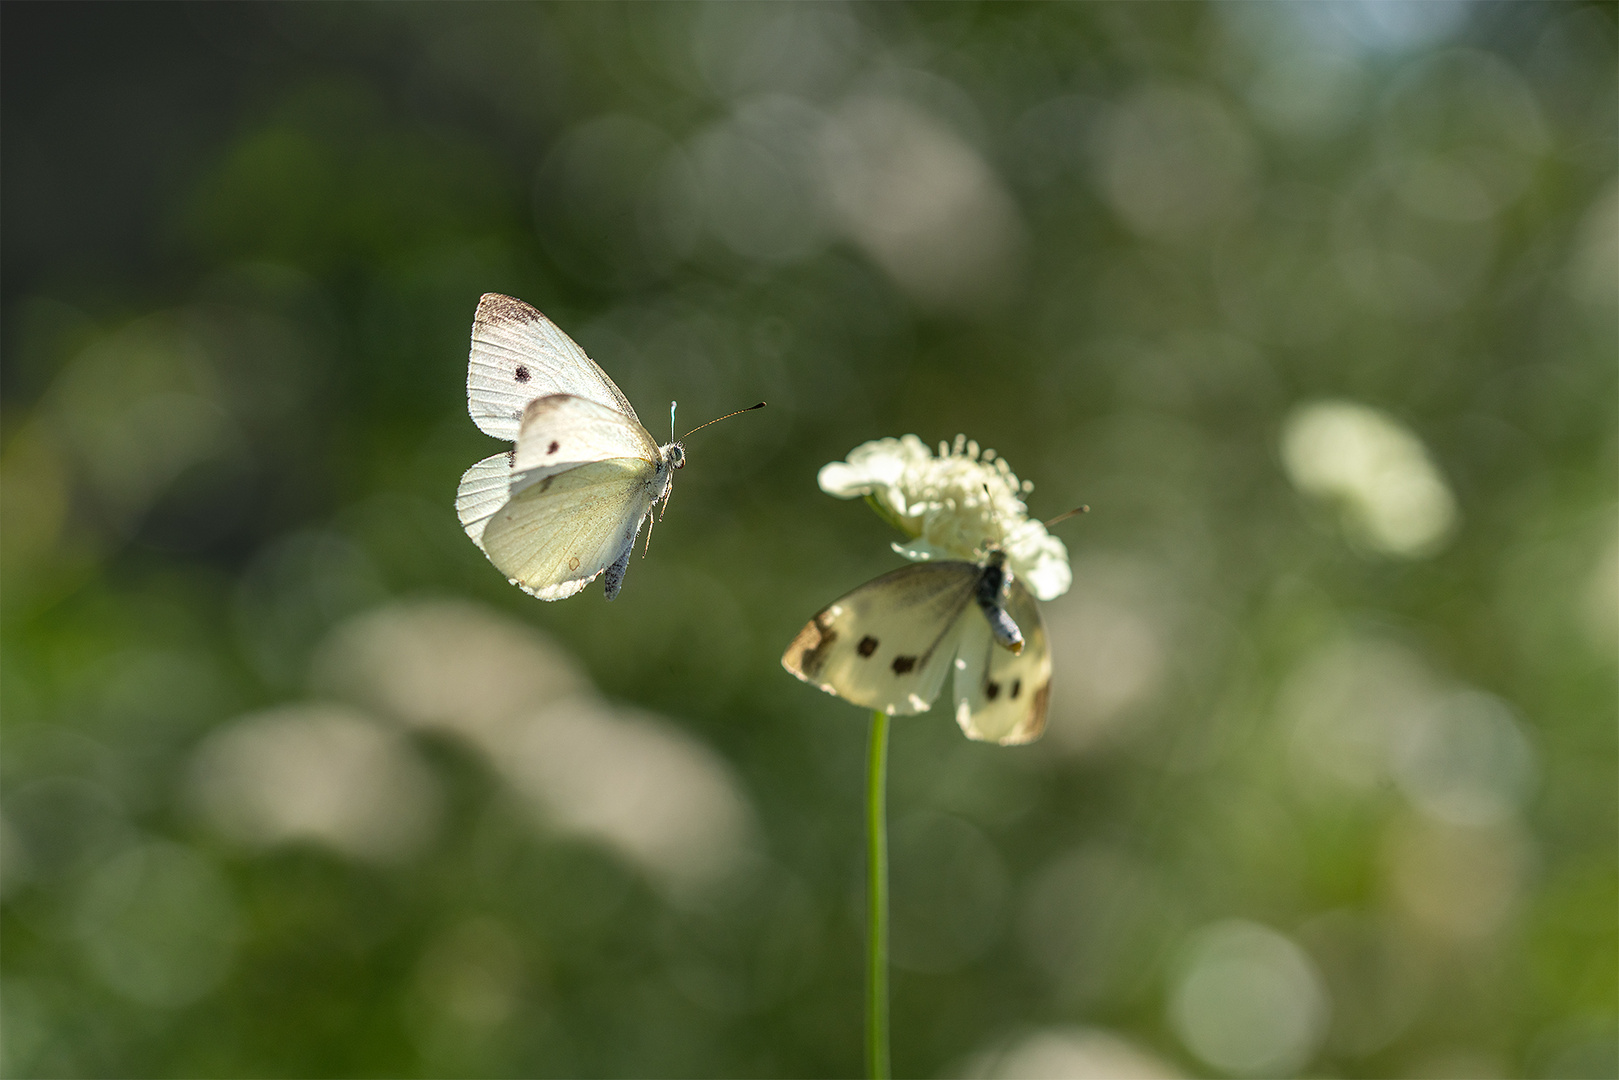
(953, 506)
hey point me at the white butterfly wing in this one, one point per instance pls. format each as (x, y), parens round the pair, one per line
(519, 355)
(555, 536)
(485, 488)
(888, 644)
(1001, 696)
(562, 432)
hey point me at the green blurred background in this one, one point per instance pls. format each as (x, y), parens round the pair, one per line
(1313, 304)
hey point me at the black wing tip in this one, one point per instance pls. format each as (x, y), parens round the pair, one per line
(494, 307)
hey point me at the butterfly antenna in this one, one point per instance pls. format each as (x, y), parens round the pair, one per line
(716, 420)
(671, 439)
(1072, 513)
(1075, 512)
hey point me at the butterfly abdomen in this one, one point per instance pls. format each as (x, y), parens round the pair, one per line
(615, 573)
(991, 597)
(1002, 628)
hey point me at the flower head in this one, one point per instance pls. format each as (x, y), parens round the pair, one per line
(953, 506)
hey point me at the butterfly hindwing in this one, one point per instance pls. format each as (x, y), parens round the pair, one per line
(484, 489)
(519, 355)
(553, 537)
(888, 644)
(1001, 696)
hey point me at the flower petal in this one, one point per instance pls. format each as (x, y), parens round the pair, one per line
(920, 551)
(843, 480)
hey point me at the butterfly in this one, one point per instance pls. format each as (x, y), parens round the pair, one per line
(566, 503)
(889, 644)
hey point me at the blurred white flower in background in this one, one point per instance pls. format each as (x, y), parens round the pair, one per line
(1391, 493)
(1249, 1001)
(1465, 761)
(757, 181)
(1593, 270)
(1069, 1053)
(317, 772)
(632, 782)
(1113, 634)
(953, 506)
(448, 666)
(922, 203)
(1345, 706)
(1370, 716)
(350, 780)
(1175, 164)
(139, 407)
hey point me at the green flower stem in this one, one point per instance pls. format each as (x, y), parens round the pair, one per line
(877, 899)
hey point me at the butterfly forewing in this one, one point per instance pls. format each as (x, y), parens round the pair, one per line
(888, 644)
(1001, 696)
(555, 536)
(519, 355)
(562, 432)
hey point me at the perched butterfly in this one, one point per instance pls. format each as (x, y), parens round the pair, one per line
(567, 502)
(889, 644)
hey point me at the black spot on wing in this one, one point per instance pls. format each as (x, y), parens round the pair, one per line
(554, 447)
(1017, 688)
(522, 373)
(867, 646)
(992, 690)
(903, 664)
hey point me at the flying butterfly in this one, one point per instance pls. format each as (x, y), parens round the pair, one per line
(889, 644)
(565, 504)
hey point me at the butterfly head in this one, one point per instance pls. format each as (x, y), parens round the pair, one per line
(997, 566)
(675, 455)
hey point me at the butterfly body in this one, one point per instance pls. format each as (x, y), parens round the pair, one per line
(890, 643)
(566, 503)
(993, 585)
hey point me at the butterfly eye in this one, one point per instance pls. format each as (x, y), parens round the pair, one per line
(677, 456)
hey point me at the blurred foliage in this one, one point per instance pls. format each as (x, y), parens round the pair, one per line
(1330, 782)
